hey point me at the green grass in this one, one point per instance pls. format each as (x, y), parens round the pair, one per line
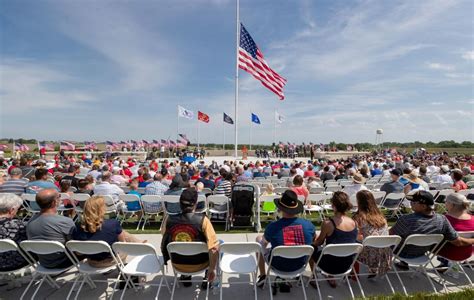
(467, 294)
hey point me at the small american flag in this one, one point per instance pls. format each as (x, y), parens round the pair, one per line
(21, 147)
(67, 146)
(251, 60)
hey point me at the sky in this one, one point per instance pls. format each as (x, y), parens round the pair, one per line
(116, 70)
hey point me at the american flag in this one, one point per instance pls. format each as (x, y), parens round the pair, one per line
(164, 142)
(251, 60)
(21, 147)
(3, 147)
(47, 147)
(90, 145)
(111, 145)
(155, 143)
(67, 146)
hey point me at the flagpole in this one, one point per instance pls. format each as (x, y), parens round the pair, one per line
(250, 144)
(199, 125)
(274, 126)
(223, 143)
(177, 125)
(237, 79)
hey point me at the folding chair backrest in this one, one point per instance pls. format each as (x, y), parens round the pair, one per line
(109, 201)
(134, 249)
(466, 234)
(187, 248)
(151, 198)
(331, 183)
(466, 192)
(382, 241)
(43, 247)
(292, 251)
(316, 190)
(173, 200)
(240, 248)
(88, 247)
(80, 197)
(342, 250)
(29, 197)
(206, 191)
(334, 188)
(423, 240)
(301, 198)
(379, 196)
(201, 204)
(8, 245)
(280, 190)
(129, 198)
(217, 199)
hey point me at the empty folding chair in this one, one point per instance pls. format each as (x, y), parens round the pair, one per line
(379, 196)
(428, 241)
(201, 206)
(343, 251)
(186, 249)
(132, 207)
(171, 204)
(145, 262)
(46, 274)
(289, 252)
(152, 206)
(466, 192)
(239, 258)
(315, 204)
(219, 205)
(333, 188)
(393, 202)
(316, 190)
(280, 190)
(381, 243)
(86, 270)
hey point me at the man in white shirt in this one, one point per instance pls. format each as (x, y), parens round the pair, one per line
(443, 176)
(106, 188)
(357, 185)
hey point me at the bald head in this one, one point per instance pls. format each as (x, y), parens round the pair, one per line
(47, 198)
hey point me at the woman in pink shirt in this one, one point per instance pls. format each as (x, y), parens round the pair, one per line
(459, 217)
(458, 183)
(299, 188)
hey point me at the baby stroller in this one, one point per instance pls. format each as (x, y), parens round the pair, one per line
(242, 212)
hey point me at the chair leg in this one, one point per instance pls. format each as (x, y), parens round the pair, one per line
(390, 284)
(80, 287)
(125, 287)
(73, 286)
(254, 276)
(28, 287)
(400, 279)
(220, 288)
(302, 286)
(317, 284)
(360, 285)
(39, 286)
(159, 288)
(115, 285)
(270, 286)
(349, 285)
(174, 285)
(429, 279)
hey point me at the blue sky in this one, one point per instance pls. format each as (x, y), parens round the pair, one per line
(83, 70)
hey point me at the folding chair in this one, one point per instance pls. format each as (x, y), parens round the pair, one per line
(30, 205)
(440, 199)
(316, 200)
(339, 250)
(207, 191)
(382, 242)
(201, 206)
(333, 188)
(466, 192)
(239, 258)
(186, 249)
(152, 206)
(43, 248)
(130, 199)
(457, 263)
(62, 207)
(393, 202)
(222, 201)
(86, 270)
(421, 240)
(280, 190)
(145, 262)
(289, 252)
(379, 196)
(7, 245)
(80, 199)
(171, 204)
(316, 190)
(110, 205)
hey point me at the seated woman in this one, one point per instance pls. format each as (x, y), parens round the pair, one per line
(94, 227)
(11, 228)
(339, 229)
(299, 188)
(371, 222)
(458, 184)
(459, 217)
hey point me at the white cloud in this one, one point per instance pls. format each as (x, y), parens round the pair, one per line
(439, 66)
(468, 55)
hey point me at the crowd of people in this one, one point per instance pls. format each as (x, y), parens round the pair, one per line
(98, 176)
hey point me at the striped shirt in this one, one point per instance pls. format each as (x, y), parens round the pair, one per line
(224, 187)
(14, 186)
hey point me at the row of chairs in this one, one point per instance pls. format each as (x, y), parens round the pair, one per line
(234, 258)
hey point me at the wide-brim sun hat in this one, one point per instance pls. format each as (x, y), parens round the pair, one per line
(358, 178)
(289, 203)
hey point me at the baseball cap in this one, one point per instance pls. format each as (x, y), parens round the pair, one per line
(422, 197)
(396, 172)
(188, 197)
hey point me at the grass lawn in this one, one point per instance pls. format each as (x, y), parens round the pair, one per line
(467, 294)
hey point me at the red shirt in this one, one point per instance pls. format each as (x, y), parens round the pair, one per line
(308, 173)
(458, 253)
(301, 191)
(459, 185)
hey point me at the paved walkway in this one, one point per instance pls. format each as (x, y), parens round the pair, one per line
(234, 291)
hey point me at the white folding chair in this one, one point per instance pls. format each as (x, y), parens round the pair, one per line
(171, 204)
(457, 263)
(239, 258)
(466, 192)
(7, 245)
(382, 242)
(43, 248)
(80, 200)
(110, 205)
(152, 206)
(62, 207)
(333, 188)
(127, 213)
(280, 190)
(440, 199)
(379, 196)
(201, 205)
(316, 190)
(289, 252)
(145, 261)
(430, 241)
(30, 205)
(186, 249)
(207, 191)
(85, 270)
(393, 202)
(221, 201)
(316, 200)
(339, 250)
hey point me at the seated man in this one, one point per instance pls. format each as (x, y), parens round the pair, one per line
(424, 220)
(16, 184)
(41, 182)
(288, 231)
(50, 226)
(190, 227)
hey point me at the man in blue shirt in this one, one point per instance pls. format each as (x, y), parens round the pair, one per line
(376, 171)
(41, 182)
(288, 231)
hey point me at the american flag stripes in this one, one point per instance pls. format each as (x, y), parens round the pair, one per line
(45, 146)
(67, 146)
(21, 147)
(251, 60)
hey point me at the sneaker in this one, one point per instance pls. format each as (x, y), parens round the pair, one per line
(186, 280)
(261, 280)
